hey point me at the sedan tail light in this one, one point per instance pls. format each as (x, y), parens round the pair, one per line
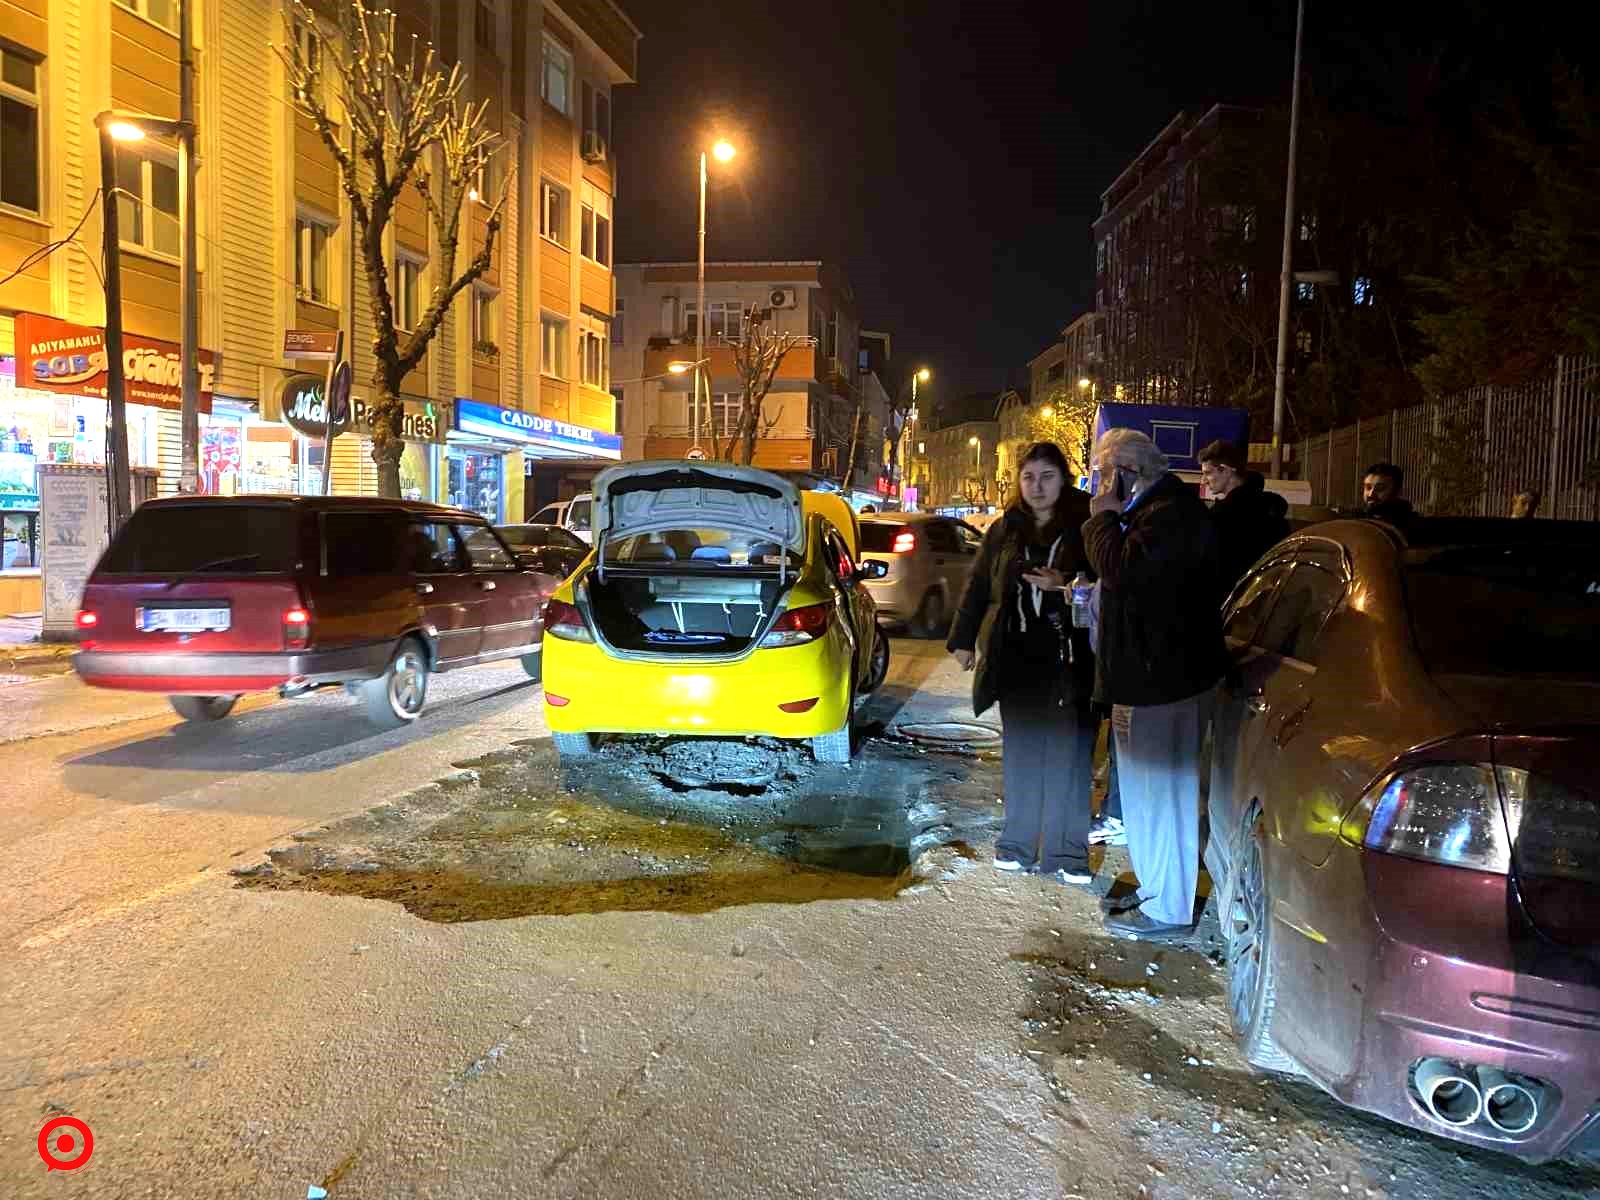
(1477, 815)
(564, 621)
(799, 625)
(904, 542)
(296, 629)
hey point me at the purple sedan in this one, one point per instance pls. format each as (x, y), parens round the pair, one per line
(1405, 824)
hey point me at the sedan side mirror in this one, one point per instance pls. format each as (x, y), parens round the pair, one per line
(873, 568)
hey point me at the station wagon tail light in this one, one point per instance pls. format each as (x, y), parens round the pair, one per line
(296, 628)
(87, 619)
(798, 626)
(564, 621)
(904, 542)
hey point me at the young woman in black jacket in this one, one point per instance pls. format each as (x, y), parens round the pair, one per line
(1014, 625)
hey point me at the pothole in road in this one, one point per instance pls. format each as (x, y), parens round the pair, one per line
(677, 825)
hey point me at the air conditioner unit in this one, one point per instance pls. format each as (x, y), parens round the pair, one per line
(781, 298)
(594, 146)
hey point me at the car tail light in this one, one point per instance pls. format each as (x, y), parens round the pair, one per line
(799, 625)
(1474, 815)
(555, 701)
(296, 628)
(904, 542)
(87, 619)
(800, 706)
(564, 621)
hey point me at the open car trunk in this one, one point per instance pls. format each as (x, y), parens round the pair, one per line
(657, 611)
(694, 558)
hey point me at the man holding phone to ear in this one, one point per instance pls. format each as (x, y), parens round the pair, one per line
(1154, 546)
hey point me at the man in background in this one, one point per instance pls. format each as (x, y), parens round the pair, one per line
(1380, 493)
(1526, 504)
(1249, 519)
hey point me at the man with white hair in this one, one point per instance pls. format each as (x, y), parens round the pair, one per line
(1154, 546)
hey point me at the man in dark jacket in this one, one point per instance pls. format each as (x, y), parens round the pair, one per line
(1161, 653)
(1249, 519)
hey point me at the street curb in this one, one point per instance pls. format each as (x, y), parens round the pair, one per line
(32, 654)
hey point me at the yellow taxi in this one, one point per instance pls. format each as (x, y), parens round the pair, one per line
(718, 600)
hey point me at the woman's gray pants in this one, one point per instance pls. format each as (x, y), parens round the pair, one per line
(1047, 756)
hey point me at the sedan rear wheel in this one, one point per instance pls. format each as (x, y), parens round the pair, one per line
(395, 698)
(202, 708)
(929, 619)
(1252, 965)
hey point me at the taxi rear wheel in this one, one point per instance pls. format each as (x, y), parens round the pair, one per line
(573, 745)
(835, 747)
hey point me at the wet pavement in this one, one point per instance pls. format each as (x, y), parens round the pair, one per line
(671, 825)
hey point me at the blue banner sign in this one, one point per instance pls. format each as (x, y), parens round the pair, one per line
(513, 425)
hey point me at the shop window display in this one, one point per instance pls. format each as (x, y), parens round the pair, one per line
(475, 482)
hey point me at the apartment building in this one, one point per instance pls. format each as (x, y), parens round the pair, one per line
(961, 463)
(1155, 220)
(517, 376)
(808, 417)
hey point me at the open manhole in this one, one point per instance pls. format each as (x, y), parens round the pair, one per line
(951, 735)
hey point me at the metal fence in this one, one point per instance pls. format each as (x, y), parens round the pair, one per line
(1471, 453)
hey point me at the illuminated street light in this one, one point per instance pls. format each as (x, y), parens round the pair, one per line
(1085, 382)
(723, 151)
(924, 375)
(125, 131)
(1047, 412)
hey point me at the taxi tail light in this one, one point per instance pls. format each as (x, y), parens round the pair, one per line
(564, 621)
(296, 628)
(799, 625)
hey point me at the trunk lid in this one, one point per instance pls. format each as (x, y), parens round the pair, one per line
(662, 496)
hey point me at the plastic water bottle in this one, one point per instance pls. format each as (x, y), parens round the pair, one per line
(1082, 586)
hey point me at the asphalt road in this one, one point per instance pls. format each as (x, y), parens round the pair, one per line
(942, 1032)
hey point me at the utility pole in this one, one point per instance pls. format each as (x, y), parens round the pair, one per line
(1285, 281)
(116, 397)
(189, 306)
(700, 310)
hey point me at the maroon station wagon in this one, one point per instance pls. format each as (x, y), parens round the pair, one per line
(204, 598)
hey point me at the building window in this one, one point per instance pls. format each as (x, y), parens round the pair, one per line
(555, 81)
(310, 43)
(485, 321)
(485, 180)
(407, 292)
(596, 113)
(554, 202)
(616, 324)
(1308, 227)
(1305, 292)
(311, 238)
(147, 202)
(594, 353)
(724, 319)
(484, 24)
(19, 131)
(725, 410)
(553, 347)
(594, 228)
(1362, 291)
(616, 409)
(158, 12)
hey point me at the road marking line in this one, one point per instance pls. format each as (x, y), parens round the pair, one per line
(110, 912)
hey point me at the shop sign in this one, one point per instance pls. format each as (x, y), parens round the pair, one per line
(301, 401)
(310, 343)
(513, 425)
(70, 360)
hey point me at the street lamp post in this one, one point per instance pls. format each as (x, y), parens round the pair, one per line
(724, 152)
(977, 465)
(116, 397)
(1085, 384)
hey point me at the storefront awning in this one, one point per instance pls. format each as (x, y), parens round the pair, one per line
(535, 436)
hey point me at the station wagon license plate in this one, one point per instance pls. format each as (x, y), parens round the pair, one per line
(184, 620)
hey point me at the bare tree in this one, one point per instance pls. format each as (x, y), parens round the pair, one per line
(1069, 423)
(758, 357)
(410, 124)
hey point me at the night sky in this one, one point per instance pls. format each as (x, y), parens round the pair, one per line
(951, 155)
